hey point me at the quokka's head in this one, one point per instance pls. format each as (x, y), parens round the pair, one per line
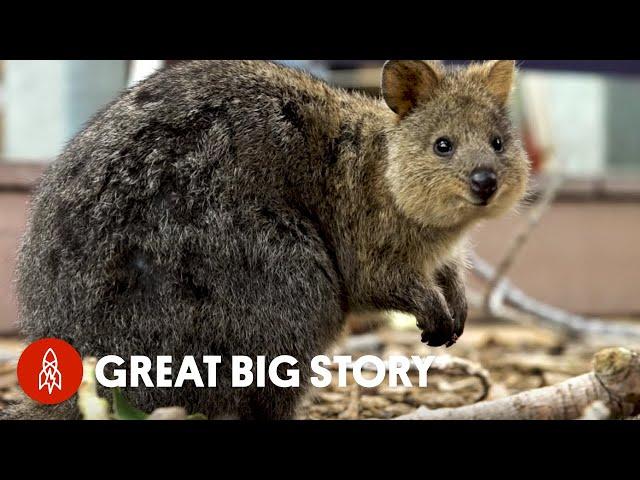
(454, 155)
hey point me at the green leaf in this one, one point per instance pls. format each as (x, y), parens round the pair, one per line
(123, 410)
(197, 416)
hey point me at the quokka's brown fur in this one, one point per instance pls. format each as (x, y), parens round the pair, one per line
(242, 208)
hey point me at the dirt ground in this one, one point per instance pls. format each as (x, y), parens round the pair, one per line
(516, 358)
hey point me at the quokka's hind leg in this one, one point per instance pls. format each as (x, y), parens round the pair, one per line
(27, 409)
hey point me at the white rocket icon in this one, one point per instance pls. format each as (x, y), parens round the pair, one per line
(50, 376)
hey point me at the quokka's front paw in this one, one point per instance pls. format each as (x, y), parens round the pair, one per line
(438, 325)
(458, 309)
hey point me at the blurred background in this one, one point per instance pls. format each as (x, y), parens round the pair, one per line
(580, 121)
(579, 118)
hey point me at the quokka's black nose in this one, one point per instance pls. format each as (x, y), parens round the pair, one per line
(484, 183)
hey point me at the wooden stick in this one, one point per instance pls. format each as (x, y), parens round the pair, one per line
(615, 381)
(444, 364)
(495, 292)
(548, 315)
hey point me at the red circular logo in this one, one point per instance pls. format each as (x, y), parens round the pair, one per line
(50, 370)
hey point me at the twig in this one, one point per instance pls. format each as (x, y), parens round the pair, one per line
(457, 366)
(501, 291)
(444, 364)
(495, 291)
(548, 315)
(615, 381)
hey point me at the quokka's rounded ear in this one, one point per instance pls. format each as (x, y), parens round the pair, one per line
(407, 82)
(500, 76)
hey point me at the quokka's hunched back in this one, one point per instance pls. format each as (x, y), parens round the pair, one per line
(242, 208)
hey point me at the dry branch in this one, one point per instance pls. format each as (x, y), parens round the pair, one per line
(548, 315)
(501, 291)
(615, 381)
(495, 292)
(461, 367)
(444, 364)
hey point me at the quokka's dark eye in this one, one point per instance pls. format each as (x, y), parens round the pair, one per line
(443, 147)
(497, 144)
